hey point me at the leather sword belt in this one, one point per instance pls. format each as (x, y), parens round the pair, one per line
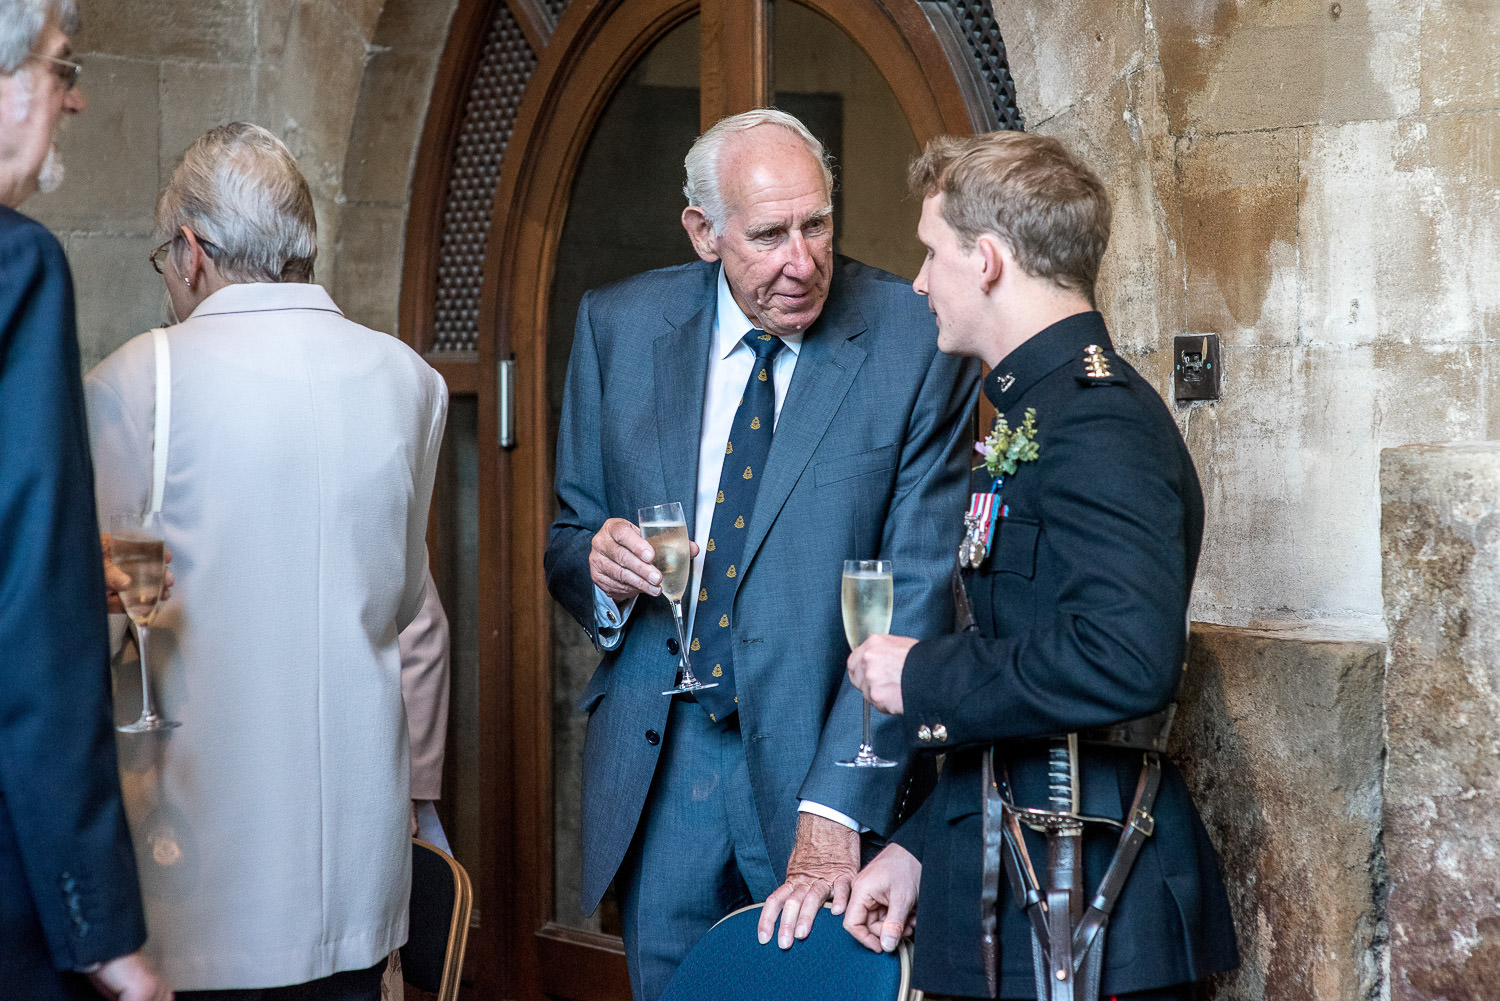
(1067, 935)
(1144, 733)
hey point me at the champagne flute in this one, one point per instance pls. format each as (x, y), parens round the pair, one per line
(868, 593)
(666, 529)
(137, 550)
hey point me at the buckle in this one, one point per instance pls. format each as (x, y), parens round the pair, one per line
(1142, 821)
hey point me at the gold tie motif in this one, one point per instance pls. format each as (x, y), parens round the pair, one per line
(695, 644)
(746, 448)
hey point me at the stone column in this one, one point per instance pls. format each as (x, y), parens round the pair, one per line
(1440, 550)
(1278, 734)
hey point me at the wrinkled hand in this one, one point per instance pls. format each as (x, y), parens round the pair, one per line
(116, 579)
(882, 903)
(823, 863)
(620, 561)
(130, 978)
(875, 669)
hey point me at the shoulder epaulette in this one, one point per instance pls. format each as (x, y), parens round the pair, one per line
(1098, 368)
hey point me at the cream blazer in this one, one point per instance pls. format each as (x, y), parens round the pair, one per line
(271, 828)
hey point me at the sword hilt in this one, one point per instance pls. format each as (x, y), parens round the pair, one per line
(1060, 778)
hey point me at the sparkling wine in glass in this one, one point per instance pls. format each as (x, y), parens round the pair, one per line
(666, 529)
(867, 595)
(136, 549)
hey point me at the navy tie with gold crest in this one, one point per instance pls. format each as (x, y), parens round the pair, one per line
(744, 458)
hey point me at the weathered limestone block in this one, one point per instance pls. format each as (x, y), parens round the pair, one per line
(1238, 67)
(1242, 279)
(1440, 547)
(1279, 736)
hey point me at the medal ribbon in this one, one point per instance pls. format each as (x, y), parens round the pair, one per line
(982, 510)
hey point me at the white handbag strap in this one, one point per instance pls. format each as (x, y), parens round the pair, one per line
(163, 418)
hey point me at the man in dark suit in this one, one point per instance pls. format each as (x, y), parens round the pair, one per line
(1084, 526)
(702, 803)
(70, 908)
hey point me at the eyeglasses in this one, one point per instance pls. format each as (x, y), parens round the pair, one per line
(67, 70)
(158, 256)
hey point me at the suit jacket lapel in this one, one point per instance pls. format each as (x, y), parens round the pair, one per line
(826, 367)
(681, 359)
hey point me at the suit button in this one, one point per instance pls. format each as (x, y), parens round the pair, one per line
(940, 733)
(924, 734)
(672, 647)
(653, 738)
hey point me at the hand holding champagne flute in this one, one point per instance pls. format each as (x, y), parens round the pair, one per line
(867, 600)
(137, 551)
(665, 528)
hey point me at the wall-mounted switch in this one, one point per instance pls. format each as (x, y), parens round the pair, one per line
(1196, 373)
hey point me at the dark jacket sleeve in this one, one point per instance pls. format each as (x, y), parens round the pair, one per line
(580, 479)
(59, 788)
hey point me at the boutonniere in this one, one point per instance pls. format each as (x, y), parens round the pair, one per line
(1005, 448)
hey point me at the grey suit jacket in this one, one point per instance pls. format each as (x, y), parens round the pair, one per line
(870, 459)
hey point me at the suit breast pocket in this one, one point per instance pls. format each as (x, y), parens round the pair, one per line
(866, 463)
(1014, 548)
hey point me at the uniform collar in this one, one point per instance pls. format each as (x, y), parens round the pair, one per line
(1042, 354)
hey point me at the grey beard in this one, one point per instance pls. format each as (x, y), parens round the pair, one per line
(50, 178)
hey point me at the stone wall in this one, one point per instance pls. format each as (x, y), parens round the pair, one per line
(1280, 736)
(1440, 535)
(344, 82)
(1317, 182)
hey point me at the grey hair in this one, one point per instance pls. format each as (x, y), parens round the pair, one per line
(21, 24)
(702, 160)
(238, 188)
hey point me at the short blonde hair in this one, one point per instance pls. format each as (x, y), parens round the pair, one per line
(1047, 205)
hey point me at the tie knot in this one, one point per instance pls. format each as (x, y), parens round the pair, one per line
(763, 344)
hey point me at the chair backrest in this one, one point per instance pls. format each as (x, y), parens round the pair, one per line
(441, 898)
(730, 964)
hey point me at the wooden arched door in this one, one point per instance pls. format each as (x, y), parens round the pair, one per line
(550, 163)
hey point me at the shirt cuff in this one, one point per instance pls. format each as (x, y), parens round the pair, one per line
(829, 813)
(610, 619)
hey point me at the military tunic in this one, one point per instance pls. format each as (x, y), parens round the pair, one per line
(1081, 605)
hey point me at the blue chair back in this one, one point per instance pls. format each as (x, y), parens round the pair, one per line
(730, 964)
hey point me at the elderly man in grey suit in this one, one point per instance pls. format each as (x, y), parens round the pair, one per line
(794, 403)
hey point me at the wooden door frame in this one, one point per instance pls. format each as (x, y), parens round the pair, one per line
(581, 61)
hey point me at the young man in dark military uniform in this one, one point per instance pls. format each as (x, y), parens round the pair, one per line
(1060, 855)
